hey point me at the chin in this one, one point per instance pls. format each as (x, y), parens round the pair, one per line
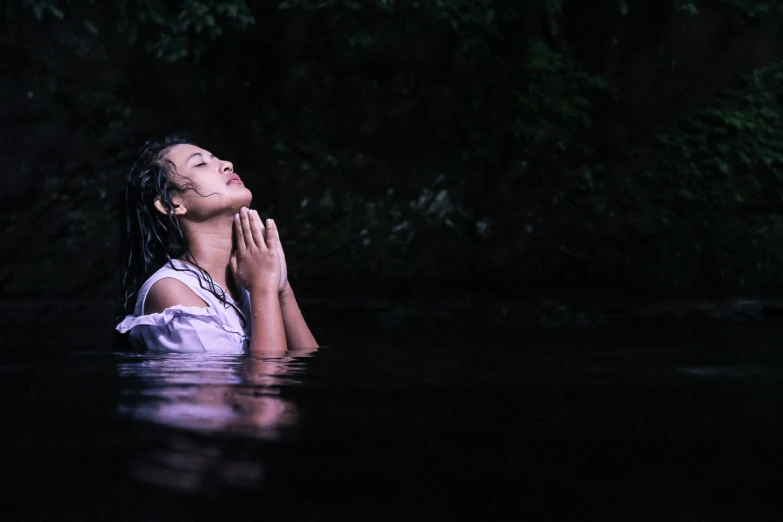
(243, 199)
(235, 203)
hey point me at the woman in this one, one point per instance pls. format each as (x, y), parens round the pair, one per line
(203, 273)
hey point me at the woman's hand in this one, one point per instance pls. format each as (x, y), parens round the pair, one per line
(255, 263)
(283, 267)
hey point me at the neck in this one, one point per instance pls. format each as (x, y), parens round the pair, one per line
(211, 245)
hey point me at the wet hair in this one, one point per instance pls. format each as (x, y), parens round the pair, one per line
(148, 238)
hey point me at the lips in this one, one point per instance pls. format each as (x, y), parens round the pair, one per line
(233, 178)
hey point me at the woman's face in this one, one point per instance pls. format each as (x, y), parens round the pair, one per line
(211, 186)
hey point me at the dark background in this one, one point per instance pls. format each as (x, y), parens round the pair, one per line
(407, 146)
(458, 183)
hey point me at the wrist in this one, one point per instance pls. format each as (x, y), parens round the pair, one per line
(286, 292)
(260, 292)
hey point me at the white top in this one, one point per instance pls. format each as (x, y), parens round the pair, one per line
(218, 328)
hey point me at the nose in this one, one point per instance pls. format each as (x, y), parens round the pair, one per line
(227, 166)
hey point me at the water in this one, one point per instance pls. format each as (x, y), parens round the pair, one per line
(644, 423)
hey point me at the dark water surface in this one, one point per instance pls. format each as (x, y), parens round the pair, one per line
(642, 423)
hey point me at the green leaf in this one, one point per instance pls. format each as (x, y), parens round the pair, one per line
(56, 12)
(686, 194)
(157, 17)
(90, 27)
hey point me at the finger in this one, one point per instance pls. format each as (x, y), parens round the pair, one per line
(272, 238)
(241, 246)
(232, 262)
(257, 226)
(277, 236)
(279, 244)
(244, 217)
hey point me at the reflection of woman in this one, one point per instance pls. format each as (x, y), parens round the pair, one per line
(214, 394)
(203, 273)
(231, 397)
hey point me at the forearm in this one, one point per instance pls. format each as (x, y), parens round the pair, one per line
(297, 333)
(267, 332)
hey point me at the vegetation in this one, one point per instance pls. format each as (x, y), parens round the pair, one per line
(401, 143)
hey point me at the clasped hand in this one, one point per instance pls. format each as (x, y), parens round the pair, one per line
(258, 262)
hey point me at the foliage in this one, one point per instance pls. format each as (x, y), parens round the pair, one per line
(723, 154)
(171, 30)
(516, 144)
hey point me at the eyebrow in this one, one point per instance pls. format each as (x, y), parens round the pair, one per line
(197, 154)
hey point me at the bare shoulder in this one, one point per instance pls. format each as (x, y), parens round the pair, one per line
(170, 292)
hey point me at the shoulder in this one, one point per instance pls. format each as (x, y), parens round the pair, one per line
(167, 292)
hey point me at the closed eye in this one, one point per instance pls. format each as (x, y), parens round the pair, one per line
(200, 164)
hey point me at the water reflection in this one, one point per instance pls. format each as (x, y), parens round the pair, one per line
(190, 405)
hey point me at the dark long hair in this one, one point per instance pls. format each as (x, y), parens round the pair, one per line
(149, 239)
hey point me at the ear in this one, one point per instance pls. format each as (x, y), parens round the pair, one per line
(179, 208)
